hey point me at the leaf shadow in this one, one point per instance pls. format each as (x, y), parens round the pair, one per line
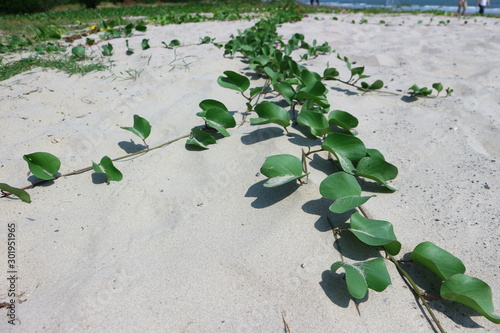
(347, 243)
(345, 91)
(131, 147)
(303, 140)
(409, 99)
(334, 287)
(42, 182)
(98, 178)
(372, 186)
(267, 196)
(324, 165)
(261, 135)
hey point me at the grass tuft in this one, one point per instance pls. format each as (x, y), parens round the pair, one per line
(66, 64)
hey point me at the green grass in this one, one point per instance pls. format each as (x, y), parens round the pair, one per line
(63, 63)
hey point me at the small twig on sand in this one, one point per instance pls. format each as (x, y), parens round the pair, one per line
(287, 328)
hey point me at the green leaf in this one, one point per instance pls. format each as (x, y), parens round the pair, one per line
(255, 91)
(438, 87)
(375, 233)
(374, 153)
(441, 262)
(107, 50)
(220, 120)
(371, 274)
(20, 193)
(141, 28)
(356, 282)
(234, 81)
(106, 166)
(207, 104)
(330, 74)
(471, 292)
(357, 71)
(376, 274)
(200, 138)
(347, 149)
(344, 189)
(343, 120)
(286, 90)
(378, 170)
(145, 44)
(141, 128)
(271, 113)
(174, 43)
(312, 86)
(316, 121)
(78, 52)
(374, 86)
(43, 165)
(281, 169)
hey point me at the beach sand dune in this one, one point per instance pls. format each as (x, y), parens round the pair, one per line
(191, 241)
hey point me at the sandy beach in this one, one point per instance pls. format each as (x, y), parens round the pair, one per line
(191, 241)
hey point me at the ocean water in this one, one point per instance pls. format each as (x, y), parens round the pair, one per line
(423, 5)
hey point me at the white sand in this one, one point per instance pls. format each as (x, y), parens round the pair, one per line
(191, 241)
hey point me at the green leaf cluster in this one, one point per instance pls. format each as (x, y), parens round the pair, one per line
(456, 286)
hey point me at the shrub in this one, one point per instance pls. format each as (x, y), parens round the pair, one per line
(90, 3)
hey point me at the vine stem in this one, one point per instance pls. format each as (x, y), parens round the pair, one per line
(408, 278)
(416, 289)
(6, 194)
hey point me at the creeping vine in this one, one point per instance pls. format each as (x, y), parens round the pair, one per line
(305, 95)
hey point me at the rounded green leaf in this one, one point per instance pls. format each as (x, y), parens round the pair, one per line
(375, 153)
(371, 274)
(347, 149)
(209, 104)
(379, 84)
(174, 43)
(281, 169)
(376, 274)
(330, 74)
(471, 292)
(438, 86)
(339, 185)
(271, 113)
(375, 232)
(106, 166)
(220, 120)
(78, 52)
(234, 81)
(286, 90)
(356, 282)
(200, 138)
(342, 119)
(20, 193)
(316, 121)
(344, 189)
(378, 170)
(43, 165)
(438, 260)
(141, 128)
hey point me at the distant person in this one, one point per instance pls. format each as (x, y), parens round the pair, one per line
(482, 4)
(312, 2)
(462, 7)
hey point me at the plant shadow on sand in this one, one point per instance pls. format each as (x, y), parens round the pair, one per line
(98, 178)
(266, 197)
(130, 147)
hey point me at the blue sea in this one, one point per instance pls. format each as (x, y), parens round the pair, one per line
(423, 5)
